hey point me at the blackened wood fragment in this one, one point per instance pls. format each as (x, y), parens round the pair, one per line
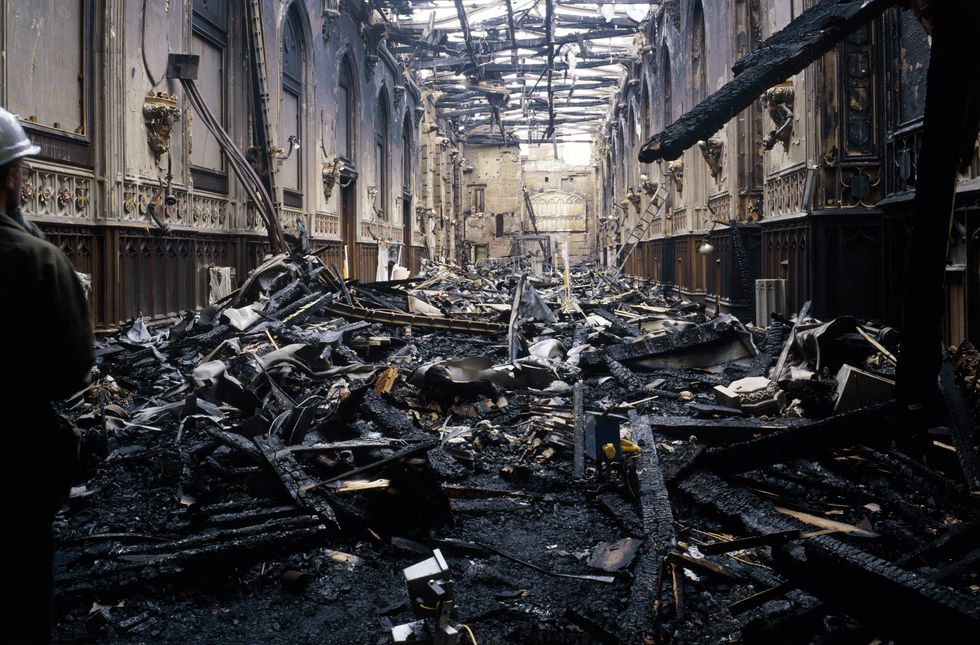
(300, 486)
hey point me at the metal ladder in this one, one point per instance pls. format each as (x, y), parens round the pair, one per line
(639, 230)
(260, 80)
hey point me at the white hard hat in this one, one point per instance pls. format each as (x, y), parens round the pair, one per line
(14, 143)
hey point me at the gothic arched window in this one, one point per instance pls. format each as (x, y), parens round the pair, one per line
(291, 105)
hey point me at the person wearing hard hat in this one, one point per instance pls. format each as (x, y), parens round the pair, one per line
(46, 354)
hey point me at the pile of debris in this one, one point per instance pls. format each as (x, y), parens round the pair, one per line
(575, 459)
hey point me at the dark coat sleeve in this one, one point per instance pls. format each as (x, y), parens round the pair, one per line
(63, 314)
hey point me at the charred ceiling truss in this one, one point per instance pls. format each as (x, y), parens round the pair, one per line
(536, 71)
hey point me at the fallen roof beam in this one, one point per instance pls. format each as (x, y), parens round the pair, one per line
(399, 318)
(658, 529)
(859, 583)
(870, 425)
(300, 486)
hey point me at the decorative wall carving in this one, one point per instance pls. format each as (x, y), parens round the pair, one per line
(711, 152)
(676, 171)
(326, 225)
(209, 213)
(858, 94)
(778, 103)
(253, 221)
(330, 17)
(852, 186)
(784, 193)
(721, 206)
(46, 193)
(559, 211)
(330, 175)
(160, 112)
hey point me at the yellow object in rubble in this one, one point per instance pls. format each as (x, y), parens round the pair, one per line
(609, 450)
(626, 445)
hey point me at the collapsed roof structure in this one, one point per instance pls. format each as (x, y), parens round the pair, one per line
(531, 71)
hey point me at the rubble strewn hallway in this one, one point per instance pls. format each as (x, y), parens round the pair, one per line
(460, 321)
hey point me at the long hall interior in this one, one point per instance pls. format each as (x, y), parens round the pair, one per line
(463, 322)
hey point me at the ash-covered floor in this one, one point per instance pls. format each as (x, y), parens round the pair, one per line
(265, 470)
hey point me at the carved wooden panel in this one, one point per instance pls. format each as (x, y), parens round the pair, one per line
(654, 259)
(846, 257)
(783, 194)
(559, 211)
(83, 246)
(858, 92)
(56, 195)
(367, 262)
(191, 211)
(786, 254)
(326, 225)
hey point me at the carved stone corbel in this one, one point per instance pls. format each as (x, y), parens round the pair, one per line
(370, 61)
(634, 198)
(330, 174)
(330, 18)
(676, 171)
(160, 112)
(398, 92)
(778, 102)
(711, 151)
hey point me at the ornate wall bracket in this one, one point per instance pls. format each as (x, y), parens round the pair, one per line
(330, 18)
(634, 198)
(711, 151)
(330, 174)
(778, 102)
(675, 169)
(160, 112)
(372, 35)
(370, 62)
(337, 171)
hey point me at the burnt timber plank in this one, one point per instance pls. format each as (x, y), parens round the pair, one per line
(899, 602)
(658, 528)
(390, 419)
(656, 346)
(716, 430)
(787, 52)
(949, 134)
(870, 425)
(300, 486)
(623, 375)
(862, 585)
(578, 407)
(402, 318)
(962, 426)
(116, 577)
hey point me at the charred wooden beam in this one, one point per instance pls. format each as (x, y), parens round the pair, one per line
(875, 424)
(300, 486)
(738, 544)
(759, 599)
(656, 346)
(859, 583)
(713, 431)
(900, 603)
(579, 451)
(113, 578)
(949, 134)
(427, 322)
(962, 426)
(658, 527)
